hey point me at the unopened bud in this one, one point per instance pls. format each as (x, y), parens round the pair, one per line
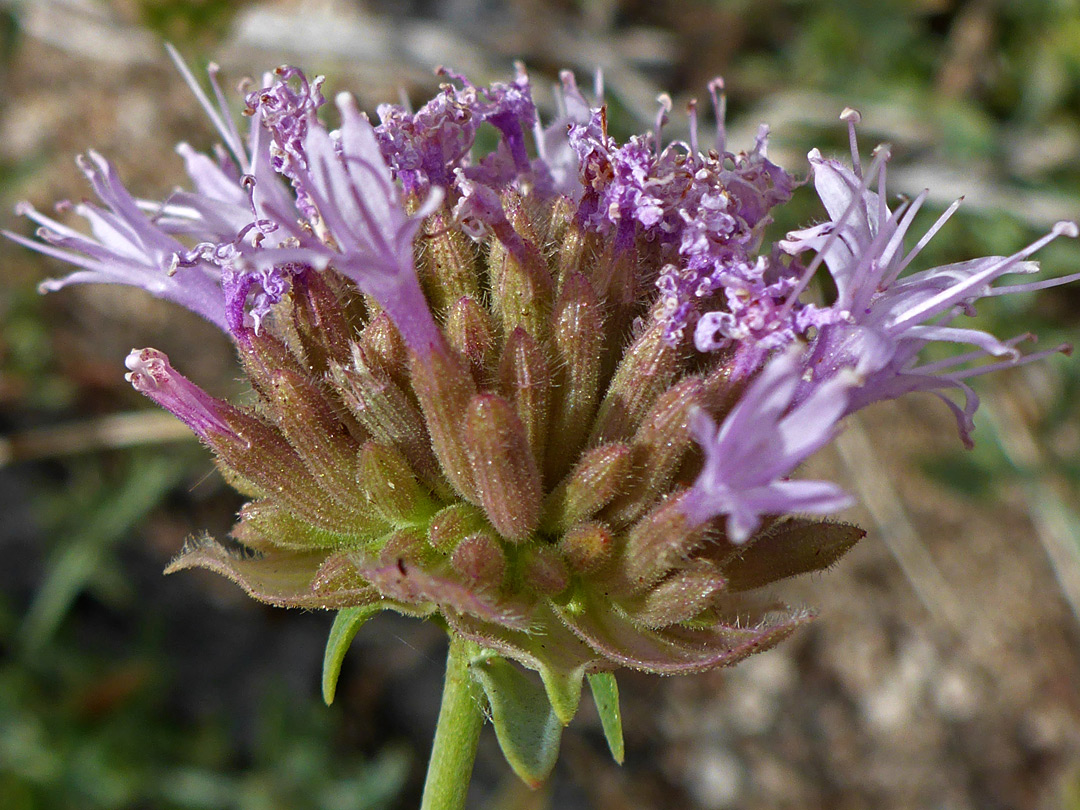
(587, 547)
(545, 571)
(480, 560)
(505, 475)
(520, 279)
(444, 387)
(659, 447)
(448, 262)
(658, 543)
(471, 332)
(320, 323)
(601, 474)
(388, 414)
(383, 349)
(525, 381)
(645, 372)
(679, 598)
(452, 524)
(391, 487)
(577, 340)
(313, 428)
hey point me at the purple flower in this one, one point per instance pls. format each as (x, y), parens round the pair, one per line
(125, 247)
(427, 147)
(557, 162)
(357, 211)
(704, 212)
(881, 320)
(151, 374)
(764, 438)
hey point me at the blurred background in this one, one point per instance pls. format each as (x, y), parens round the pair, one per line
(944, 670)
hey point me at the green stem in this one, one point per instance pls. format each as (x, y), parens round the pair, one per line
(457, 733)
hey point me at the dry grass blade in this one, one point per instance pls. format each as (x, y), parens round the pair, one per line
(103, 433)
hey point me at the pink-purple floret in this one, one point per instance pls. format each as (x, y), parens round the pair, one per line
(296, 198)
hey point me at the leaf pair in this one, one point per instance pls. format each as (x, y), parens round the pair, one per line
(527, 724)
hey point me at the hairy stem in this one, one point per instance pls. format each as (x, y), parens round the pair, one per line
(456, 735)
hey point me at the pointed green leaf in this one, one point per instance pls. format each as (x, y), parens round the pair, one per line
(526, 726)
(605, 692)
(346, 623)
(563, 691)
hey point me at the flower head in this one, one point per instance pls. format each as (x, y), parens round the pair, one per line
(554, 395)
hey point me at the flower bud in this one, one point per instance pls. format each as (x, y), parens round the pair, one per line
(577, 246)
(480, 560)
(679, 598)
(505, 475)
(658, 543)
(384, 351)
(262, 355)
(645, 371)
(265, 525)
(390, 487)
(452, 524)
(320, 323)
(577, 340)
(315, 431)
(388, 414)
(587, 547)
(525, 381)
(545, 571)
(471, 332)
(520, 279)
(600, 475)
(447, 263)
(659, 447)
(445, 388)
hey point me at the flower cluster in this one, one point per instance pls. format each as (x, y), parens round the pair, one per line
(552, 395)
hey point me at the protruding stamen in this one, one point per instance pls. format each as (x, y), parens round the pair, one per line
(884, 151)
(719, 99)
(664, 100)
(227, 130)
(852, 117)
(857, 199)
(952, 295)
(691, 114)
(926, 237)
